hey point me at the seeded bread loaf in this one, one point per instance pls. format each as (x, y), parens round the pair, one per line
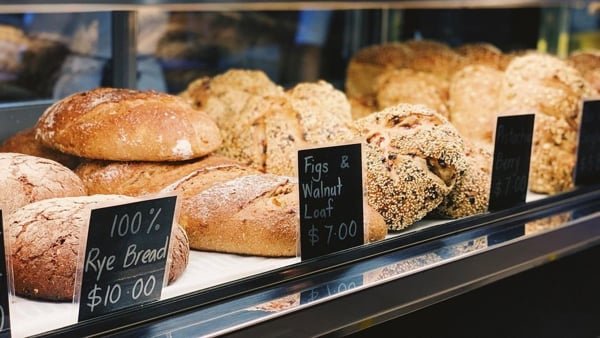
(473, 101)
(127, 125)
(253, 214)
(45, 239)
(269, 130)
(26, 179)
(414, 158)
(24, 142)
(142, 178)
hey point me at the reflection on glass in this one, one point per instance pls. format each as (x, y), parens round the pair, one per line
(547, 223)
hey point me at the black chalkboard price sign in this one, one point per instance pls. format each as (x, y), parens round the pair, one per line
(330, 289)
(4, 286)
(587, 167)
(125, 255)
(512, 155)
(331, 199)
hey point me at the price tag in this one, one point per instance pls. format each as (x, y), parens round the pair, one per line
(330, 289)
(587, 168)
(331, 199)
(4, 284)
(125, 256)
(512, 155)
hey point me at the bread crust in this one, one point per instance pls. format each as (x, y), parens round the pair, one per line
(127, 125)
(26, 179)
(45, 241)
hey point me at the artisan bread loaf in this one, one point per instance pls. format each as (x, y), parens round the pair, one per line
(473, 101)
(26, 179)
(483, 53)
(142, 178)
(24, 142)
(414, 157)
(45, 241)
(470, 195)
(408, 86)
(270, 129)
(253, 214)
(587, 62)
(127, 125)
(224, 96)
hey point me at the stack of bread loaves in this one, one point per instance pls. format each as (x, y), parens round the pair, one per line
(137, 143)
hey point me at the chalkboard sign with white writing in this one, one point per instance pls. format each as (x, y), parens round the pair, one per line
(331, 199)
(330, 289)
(4, 286)
(125, 255)
(587, 167)
(512, 155)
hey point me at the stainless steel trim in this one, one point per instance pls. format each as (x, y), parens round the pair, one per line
(124, 49)
(19, 116)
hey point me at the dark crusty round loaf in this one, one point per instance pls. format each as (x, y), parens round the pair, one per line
(127, 125)
(142, 178)
(45, 241)
(24, 142)
(253, 214)
(26, 179)
(414, 158)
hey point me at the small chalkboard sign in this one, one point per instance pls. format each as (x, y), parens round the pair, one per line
(331, 199)
(330, 289)
(512, 155)
(587, 167)
(125, 255)
(4, 286)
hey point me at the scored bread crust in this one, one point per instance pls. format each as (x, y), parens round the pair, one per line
(26, 179)
(127, 125)
(252, 214)
(140, 178)
(45, 241)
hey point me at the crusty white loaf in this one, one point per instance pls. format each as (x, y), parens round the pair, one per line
(45, 241)
(127, 125)
(26, 179)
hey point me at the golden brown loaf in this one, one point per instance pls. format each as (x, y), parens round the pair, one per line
(24, 142)
(252, 214)
(434, 57)
(587, 62)
(397, 86)
(414, 158)
(26, 179)
(269, 130)
(141, 178)
(225, 95)
(473, 101)
(45, 241)
(127, 125)
(483, 53)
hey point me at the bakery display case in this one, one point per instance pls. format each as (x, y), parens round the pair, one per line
(238, 87)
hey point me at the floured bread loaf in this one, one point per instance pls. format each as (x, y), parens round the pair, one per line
(471, 193)
(225, 95)
(127, 125)
(269, 130)
(473, 101)
(24, 142)
(408, 86)
(45, 240)
(26, 179)
(414, 158)
(142, 178)
(254, 214)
